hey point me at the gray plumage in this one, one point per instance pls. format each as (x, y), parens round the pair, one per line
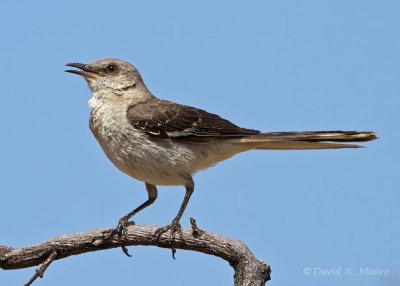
(164, 143)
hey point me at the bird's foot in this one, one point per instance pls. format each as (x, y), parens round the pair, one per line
(174, 227)
(122, 232)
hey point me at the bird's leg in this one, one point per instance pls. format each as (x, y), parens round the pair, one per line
(175, 226)
(124, 221)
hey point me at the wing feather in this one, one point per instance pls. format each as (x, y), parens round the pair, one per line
(167, 120)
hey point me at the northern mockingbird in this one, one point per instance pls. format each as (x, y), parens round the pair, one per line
(163, 143)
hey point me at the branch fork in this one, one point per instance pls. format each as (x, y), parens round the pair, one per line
(248, 269)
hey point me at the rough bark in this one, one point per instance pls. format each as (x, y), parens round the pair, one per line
(248, 269)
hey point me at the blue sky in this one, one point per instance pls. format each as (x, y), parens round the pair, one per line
(268, 65)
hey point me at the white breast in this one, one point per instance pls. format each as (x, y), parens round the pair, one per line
(148, 159)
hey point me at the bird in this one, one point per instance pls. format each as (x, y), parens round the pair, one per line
(162, 143)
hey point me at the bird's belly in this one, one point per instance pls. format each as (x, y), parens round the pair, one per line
(155, 161)
(161, 162)
(152, 160)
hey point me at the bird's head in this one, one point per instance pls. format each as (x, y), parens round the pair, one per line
(108, 74)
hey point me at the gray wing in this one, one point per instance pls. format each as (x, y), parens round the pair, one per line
(167, 120)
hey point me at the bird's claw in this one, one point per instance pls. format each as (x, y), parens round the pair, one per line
(122, 231)
(174, 227)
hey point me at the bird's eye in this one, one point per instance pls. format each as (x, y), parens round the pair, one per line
(111, 68)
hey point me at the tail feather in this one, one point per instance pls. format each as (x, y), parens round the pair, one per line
(307, 140)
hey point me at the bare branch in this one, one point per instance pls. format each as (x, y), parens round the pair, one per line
(40, 271)
(248, 269)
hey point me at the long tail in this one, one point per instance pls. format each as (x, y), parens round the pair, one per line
(307, 140)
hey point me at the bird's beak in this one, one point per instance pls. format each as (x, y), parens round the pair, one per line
(84, 69)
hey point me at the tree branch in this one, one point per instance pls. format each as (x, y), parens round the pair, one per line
(248, 269)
